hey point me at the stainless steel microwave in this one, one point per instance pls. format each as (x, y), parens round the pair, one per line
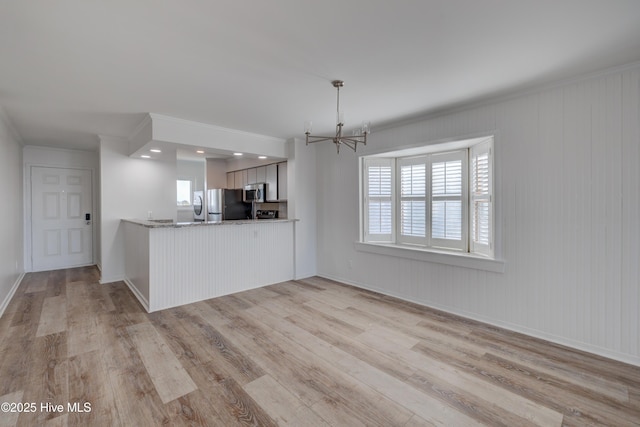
(254, 193)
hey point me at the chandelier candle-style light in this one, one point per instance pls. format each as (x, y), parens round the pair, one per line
(359, 135)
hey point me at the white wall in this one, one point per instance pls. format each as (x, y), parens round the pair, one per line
(301, 185)
(60, 158)
(567, 163)
(130, 188)
(11, 224)
(194, 170)
(239, 163)
(216, 173)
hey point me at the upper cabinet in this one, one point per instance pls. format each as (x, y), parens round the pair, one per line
(240, 178)
(274, 175)
(261, 174)
(271, 179)
(252, 177)
(282, 181)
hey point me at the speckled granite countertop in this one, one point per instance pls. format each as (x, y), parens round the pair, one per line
(166, 223)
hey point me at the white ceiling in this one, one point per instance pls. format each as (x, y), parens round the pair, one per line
(73, 69)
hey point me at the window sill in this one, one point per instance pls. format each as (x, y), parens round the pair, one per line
(433, 255)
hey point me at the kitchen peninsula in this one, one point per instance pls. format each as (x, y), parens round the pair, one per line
(170, 264)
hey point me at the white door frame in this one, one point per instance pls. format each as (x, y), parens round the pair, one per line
(28, 249)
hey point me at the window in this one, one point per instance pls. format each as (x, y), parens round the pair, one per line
(480, 199)
(413, 200)
(438, 196)
(184, 193)
(378, 201)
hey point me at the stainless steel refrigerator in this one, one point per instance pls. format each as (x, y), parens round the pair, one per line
(226, 204)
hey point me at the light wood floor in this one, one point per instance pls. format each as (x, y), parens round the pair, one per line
(300, 353)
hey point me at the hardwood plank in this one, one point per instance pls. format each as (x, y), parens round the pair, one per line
(36, 282)
(280, 404)
(61, 421)
(354, 348)
(99, 298)
(310, 352)
(567, 372)
(195, 409)
(228, 357)
(55, 288)
(53, 318)
(81, 321)
(420, 403)
(522, 407)
(182, 344)
(417, 421)
(393, 338)
(534, 386)
(318, 361)
(56, 283)
(48, 378)
(16, 356)
(167, 374)
(10, 419)
(283, 305)
(28, 310)
(230, 408)
(246, 411)
(255, 296)
(89, 383)
(136, 398)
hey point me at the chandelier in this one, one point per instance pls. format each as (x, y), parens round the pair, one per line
(359, 135)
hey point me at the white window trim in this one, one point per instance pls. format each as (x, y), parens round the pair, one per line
(433, 254)
(487, 250)
(365, 236)
(190, 205)
(401, 238)
(458, 259)
(443, 243)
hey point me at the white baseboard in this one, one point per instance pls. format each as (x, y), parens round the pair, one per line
(137, 294)
(105, 280)
(11, 293)
(578, 345)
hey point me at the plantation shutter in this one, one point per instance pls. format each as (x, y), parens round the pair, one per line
(412, 209)
(447, 207)
(378, 201)
(481, 203)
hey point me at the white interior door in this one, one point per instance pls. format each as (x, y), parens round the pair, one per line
(61, 218)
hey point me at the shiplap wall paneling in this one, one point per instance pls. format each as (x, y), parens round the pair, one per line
(195, 263)
(630, 245)
(566, 161)
(137, 261)
(607, 211)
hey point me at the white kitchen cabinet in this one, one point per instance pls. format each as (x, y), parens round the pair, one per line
(282, 181)
(261, 174)
(240, 178)
(230, 180)
(251, 176)
(271, 178)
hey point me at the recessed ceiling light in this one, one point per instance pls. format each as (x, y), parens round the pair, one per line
(144, 156)
(200, 151)
(237, 154)
(262, 157)
(155, 150)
